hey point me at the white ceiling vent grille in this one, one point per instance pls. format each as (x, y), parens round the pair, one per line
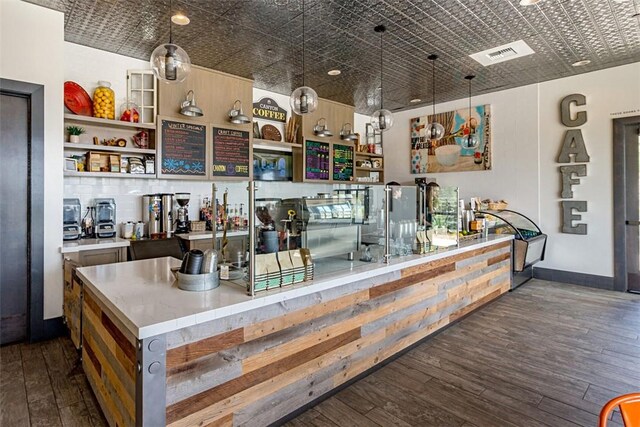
(503, 53)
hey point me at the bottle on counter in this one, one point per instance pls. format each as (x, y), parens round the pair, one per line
(88, 222)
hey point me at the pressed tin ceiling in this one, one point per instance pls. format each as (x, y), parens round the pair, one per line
(261, 40)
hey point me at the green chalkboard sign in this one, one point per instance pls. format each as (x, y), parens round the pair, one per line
(342, 162)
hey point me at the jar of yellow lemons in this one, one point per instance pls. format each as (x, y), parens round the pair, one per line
(104, 105)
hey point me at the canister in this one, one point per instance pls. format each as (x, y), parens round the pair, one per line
(127, 229)
(167, 214)
(152, 213)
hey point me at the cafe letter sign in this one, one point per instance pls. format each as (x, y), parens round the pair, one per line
(268, 109)
(574, 151)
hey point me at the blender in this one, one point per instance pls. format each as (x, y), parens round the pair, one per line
(71, 219)
(182, 222)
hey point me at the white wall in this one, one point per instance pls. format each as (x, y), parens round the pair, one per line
(31, 49)
(527, 134)
(608, 92)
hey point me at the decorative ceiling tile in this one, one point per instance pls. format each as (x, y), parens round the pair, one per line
(261, 40)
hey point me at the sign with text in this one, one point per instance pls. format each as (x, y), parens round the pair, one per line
(342, 162)
(231, 151)
(183, 148)
(268, 109)
(316, 160)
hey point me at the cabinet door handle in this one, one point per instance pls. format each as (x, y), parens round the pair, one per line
(632, 222)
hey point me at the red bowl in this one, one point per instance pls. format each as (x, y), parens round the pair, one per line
(77, 99)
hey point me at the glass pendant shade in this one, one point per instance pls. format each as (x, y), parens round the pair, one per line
(471, 141)
(381, 120)
(170, 63)
(303, 100)
(434, 131)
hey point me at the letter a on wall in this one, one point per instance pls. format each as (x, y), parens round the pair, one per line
(573, 144)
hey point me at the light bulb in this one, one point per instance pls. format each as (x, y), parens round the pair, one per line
(303, 100)
(382, 120)
(471, 141)
(435, 131)
(170, 63)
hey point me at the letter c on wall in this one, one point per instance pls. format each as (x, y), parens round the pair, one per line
(565, 110)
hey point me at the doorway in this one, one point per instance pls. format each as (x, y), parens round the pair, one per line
(626, 203)
(21, 211)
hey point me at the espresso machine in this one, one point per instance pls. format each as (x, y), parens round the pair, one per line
(105, 218)
(182, 213)
(71, 229)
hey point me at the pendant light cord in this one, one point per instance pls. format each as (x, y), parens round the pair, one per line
(302, 42)
(470, 105)
(381, 74)
(433, 86)
(170, 26)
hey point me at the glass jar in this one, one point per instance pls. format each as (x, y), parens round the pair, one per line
(130, 112)
(104, 101)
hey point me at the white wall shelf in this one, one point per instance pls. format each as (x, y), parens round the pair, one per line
(111, 175)
(92, 147)
(104, 122)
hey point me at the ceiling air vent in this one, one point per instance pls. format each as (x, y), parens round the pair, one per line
(503, 53)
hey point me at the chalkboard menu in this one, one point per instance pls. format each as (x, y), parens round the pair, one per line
(317, 160)
(183, 148)
(230, 153)
(342, 162)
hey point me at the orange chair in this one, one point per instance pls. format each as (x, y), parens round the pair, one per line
(629, 409)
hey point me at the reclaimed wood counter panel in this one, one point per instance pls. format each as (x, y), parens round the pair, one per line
(256, 367)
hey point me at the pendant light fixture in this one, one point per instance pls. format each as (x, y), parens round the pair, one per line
(381, 120)
(471, 140)
(303, 100)
(435, 131)
(169, 62)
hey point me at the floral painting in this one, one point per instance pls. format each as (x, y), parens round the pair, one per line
(448, 154)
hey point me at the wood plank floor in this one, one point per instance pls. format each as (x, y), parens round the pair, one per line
(547, 354)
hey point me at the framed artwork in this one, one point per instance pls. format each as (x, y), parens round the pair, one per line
(448, 154)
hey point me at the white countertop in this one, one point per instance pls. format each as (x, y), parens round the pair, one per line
(200, 235)
(145, 298)
(72, 246)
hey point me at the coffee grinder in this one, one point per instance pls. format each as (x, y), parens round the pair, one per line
(182, 216)
(71, 219)
(105, 224)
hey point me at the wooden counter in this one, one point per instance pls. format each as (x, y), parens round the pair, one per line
(273, 354)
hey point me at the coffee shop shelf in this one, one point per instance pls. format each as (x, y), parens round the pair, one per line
(373, 155)
(93, 147)
(370, 169)
(104, 122)
(111, 175)
(265, 144)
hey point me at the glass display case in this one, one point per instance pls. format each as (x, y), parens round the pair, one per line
(529, 241)
(444, 218)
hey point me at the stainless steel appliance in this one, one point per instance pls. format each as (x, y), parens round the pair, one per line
(152, 214)
(529, 242)
(105, 218)
(182, 213)
(323, 224)
(167, 214)
(71, 229)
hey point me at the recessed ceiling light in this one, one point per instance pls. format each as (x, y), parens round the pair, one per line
(581, 63)
(180, 19)
(529, 2)
(413, 101)
(334, 72)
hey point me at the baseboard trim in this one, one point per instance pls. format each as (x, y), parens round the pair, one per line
(582, 279)
(51, 328)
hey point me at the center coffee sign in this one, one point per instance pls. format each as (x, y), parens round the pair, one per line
(268, 109)
(231, 152)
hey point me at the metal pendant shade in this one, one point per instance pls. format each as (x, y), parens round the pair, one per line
(434, 130)
(169, 62)
(471, 140)
(382, 119)
(236, 115)
(346, 133)
(321, 128)
(189, 107)
(303, 100)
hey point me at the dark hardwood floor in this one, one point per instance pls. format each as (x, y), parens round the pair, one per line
(547, 354)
